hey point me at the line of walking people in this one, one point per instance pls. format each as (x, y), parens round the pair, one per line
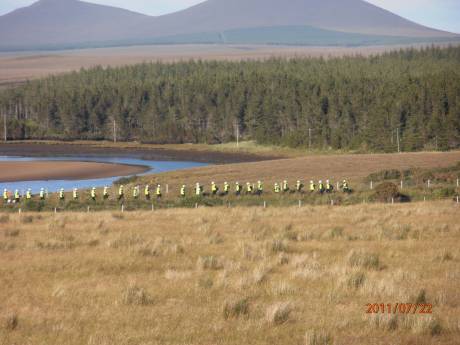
(198, 191)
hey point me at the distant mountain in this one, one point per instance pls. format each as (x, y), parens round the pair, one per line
(56, 24)
(60, 23)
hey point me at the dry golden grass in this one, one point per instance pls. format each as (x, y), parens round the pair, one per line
(353, 167)
(231, 276)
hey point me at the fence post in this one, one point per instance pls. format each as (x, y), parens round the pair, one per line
(338, 187)
(167, 189)
(332, 202)
(196, 205)
(457, 199)
(88, 209)
(265, 204)
(122, 208)
(424, 198)
(300, 203)
(20, 211)
(401, 184)
(392, 200)
(153, 208)
(372, 185)
(55, 210)
(429, 183)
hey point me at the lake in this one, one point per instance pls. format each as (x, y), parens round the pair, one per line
(52, 186)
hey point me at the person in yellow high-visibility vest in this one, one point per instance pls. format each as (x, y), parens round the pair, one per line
(28, 194)
(147, 192)
(276, 188)
(61, 194)
(345, 187)
(260, 188)
(17, 196)
(285, 186)
(121, 192)
(237, 188)
(182, 191)
(321, 187)
(226, 188)
(312, 186)
(249, 188)
(299, 186)
(93, 194)
(329, 187)
(136, 192)
(106, 193)
(214, 188)
(75, 194)
(42, 194)
(5, 196)
(158, 193)
(198, 189)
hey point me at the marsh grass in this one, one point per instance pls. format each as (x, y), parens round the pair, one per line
(231, 276)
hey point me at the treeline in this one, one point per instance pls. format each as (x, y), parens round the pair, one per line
(341, 103)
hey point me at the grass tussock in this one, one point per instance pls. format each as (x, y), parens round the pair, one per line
(209, 263)
(235, 308)
(11, 322)
(134, 295)
(363, 259)
(4, 219)
(318, 337)
(11, 232)
(278, 313)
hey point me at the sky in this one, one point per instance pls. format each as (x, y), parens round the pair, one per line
(439, 14)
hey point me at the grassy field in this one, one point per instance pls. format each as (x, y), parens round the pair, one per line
(334, 167)
(239, 276)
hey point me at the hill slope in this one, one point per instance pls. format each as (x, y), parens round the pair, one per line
(72, 23)
(57, 23)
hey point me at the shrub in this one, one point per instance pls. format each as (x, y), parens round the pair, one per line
(446, 192)
(388, 191)
(235, 308)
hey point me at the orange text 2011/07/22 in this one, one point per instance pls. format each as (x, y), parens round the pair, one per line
(399, 308)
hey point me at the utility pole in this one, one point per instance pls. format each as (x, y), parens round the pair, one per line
(114, 131)
(4, 128)
(237, 134)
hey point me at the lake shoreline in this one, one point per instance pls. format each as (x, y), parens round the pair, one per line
(145, 152)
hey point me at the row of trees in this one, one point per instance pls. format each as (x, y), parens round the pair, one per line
(340, 103)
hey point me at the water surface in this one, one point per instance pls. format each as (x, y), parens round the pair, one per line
(154, 167)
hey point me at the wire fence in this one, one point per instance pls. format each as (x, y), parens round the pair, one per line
(262, 201)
